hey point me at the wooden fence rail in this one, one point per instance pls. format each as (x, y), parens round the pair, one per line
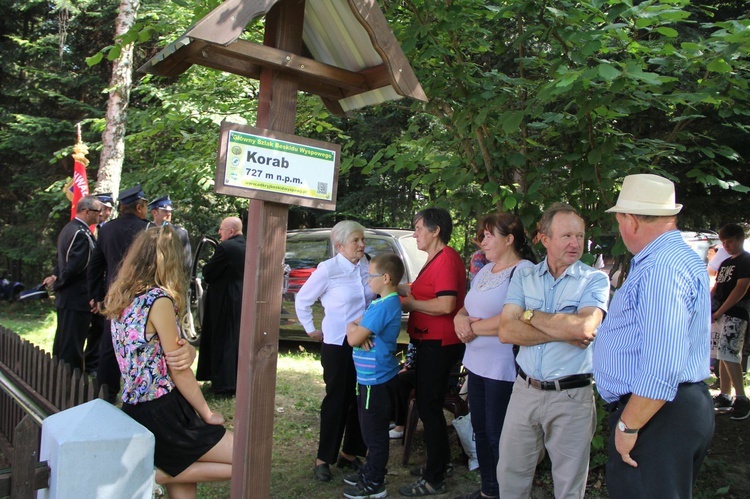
(33, 385)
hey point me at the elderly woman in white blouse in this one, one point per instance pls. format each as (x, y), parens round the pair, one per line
(340, 284)
(491, 364)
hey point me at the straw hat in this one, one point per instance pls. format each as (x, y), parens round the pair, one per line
(646, 194)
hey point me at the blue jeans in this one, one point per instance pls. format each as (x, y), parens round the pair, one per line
(489, 401)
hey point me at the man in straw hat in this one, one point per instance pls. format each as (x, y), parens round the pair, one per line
(652, 351)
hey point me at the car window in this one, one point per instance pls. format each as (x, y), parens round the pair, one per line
(416, 257)
(306, 253)
(375, 246)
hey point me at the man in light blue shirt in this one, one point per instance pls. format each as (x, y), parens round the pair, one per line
(652, 352)
(552, 311)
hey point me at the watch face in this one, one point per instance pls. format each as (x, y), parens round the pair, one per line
(621, 426)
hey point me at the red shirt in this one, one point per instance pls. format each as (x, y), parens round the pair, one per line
(444, 275)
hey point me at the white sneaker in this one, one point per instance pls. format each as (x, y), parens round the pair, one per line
(395, 434)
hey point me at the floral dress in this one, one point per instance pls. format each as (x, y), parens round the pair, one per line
(141, 360)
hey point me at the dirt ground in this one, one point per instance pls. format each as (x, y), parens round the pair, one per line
(724, 472)
(727, 462)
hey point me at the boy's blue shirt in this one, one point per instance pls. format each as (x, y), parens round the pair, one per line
(379, 364)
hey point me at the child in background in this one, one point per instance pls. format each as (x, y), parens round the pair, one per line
(374, 340)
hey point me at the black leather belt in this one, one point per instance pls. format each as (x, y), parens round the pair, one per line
(565, 383)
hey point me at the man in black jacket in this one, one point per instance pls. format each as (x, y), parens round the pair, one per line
(161, 214)
(75, 246)
(114, 239)
(221, 325)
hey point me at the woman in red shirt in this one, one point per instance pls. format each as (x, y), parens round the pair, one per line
(433, 300)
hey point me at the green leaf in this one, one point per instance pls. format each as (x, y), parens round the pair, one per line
(114, 53)
(509, 203)
(719, 65)
(608, 72)
(511, 121)
(668, 32)
(95, 59)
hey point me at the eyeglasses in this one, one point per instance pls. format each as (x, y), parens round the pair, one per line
(96, 211)
(373, 276)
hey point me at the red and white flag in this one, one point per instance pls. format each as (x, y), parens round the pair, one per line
(79, 186)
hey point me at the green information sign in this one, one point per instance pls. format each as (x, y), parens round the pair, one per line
(257, 163)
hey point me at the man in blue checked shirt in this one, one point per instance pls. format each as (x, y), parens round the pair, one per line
(552, 311)
(652, 351)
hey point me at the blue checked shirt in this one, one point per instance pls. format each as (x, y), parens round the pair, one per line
(657, 333)
(580, 286)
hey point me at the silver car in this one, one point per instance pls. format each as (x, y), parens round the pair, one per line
(305, 249)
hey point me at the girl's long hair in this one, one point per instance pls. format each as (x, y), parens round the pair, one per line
(155, 259)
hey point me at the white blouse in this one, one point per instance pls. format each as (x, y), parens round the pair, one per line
(343, 290)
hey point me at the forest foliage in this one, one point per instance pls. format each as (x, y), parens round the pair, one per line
(531, 102)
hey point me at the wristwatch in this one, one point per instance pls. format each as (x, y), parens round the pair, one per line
(624, 428)
(527, 315)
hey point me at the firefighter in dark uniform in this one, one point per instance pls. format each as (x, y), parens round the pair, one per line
(115, 237)
(161, 213)
(75, 246)
(91, 353)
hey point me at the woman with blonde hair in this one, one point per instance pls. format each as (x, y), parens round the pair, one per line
(144, 304)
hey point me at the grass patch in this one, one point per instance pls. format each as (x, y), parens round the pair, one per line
(33, 321)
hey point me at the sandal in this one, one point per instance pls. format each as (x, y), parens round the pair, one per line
(422, 488)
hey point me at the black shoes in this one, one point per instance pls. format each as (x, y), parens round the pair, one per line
(322, 472)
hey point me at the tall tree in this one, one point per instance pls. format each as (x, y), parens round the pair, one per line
(113, 137)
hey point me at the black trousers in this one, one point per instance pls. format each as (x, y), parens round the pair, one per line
(93, 340)
(338, 411)
(375, 404)
(108, 372)
(669, 450)
(72, 327)
(433, 366)
(406, 382)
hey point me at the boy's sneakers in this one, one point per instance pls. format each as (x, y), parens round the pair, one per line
(740, 409)
(723, 403)
(355, 478)
(365, 490)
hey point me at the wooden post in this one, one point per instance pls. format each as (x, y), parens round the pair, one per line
(25, 457)
(261, 299)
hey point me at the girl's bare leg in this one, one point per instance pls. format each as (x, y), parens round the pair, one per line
(214, 466)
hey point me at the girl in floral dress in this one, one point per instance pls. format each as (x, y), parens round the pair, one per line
(144, 303)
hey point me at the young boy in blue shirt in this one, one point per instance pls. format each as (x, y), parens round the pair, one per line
(374, 340)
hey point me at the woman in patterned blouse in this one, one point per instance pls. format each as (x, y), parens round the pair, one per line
(144, 304)
(491, 364)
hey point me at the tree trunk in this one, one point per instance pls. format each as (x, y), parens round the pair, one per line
(113, 137)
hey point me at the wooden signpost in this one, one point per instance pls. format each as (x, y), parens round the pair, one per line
(342, 51)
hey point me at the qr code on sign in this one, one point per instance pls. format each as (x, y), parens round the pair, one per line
(322, 187)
